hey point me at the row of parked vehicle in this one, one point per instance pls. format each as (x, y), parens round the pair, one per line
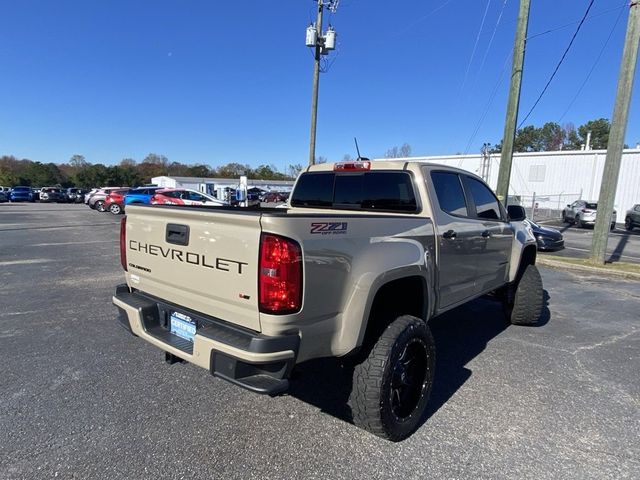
(41, 194)
(116, 199)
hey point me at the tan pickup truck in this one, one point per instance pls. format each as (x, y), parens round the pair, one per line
(365, 255)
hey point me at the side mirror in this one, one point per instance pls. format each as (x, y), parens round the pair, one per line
(516, 213)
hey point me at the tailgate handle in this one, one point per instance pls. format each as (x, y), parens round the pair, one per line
(177, 234)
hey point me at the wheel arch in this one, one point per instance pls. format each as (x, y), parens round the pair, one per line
(404, 295)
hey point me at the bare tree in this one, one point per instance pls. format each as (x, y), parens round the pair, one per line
(399, 152)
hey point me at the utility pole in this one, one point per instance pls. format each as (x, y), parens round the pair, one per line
(511, 121)
(322, 45)
(616, 136)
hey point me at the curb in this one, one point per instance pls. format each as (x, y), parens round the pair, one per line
(605, 272)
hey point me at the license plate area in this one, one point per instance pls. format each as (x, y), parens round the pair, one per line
(182, 325)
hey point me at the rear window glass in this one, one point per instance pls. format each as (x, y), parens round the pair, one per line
(383, 190)
(314, 190)
(592, 206)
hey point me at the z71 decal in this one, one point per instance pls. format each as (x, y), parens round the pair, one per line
(329, 228)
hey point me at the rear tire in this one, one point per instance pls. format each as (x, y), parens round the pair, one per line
(578, 223)
(523, 302)
(391, 387)
(99, 206)
(115, 209)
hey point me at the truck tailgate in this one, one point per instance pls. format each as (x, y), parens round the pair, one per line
(203, 258)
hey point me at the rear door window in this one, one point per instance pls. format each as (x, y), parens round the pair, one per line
(450, 193)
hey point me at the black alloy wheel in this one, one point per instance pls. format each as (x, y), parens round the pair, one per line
(408, 379)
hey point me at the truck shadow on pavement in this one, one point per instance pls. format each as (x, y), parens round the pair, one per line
(460, 335)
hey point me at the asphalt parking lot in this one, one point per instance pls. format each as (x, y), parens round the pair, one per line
(623, 246)
(83, 399)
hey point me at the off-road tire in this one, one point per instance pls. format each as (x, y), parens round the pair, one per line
(375, 403)
(523, 302)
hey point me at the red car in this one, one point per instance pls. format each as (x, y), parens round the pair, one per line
(183, 196)
(114, 202)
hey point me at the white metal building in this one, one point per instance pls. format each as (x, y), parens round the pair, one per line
(555, 178)
(217, 186)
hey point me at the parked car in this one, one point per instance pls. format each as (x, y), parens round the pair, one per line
(114, 202)
(272, 197)
(97, 199)
(632, 218)
(583, 213)
(140, 195)
(5, 190)
(52, 194)
(75, 195)
(547, 238)
(183, 196)
(3, 197)
(35, 191)
(21, 194)
(89, 194)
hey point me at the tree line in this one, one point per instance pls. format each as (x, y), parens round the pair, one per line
(553, 136)
(78, 172)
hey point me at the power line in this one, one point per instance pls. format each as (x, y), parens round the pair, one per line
(475, 46)
(558, 65)
(593, 67)
(495, 29)
(595, 15)
(488, 105)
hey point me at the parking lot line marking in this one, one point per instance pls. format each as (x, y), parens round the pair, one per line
(25, 262)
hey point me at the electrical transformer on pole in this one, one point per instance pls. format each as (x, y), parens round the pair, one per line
(322, 44)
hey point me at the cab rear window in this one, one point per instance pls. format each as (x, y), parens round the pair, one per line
(386, 191)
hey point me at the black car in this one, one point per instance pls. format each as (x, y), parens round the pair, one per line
(547, 238)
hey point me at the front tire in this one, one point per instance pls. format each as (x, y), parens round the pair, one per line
(523, 302)
(391, 387)
(628, 224)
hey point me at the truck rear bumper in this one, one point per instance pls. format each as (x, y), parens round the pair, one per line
(251, 360)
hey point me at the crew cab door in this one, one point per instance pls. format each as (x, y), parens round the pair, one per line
(496, 232)
(472, 252)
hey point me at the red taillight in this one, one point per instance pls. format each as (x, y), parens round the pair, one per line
(123, 243)
(352, 166)
(280, 275)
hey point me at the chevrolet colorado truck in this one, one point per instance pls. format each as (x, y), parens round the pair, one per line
(365, 255)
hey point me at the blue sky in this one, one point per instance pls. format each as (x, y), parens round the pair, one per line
(215, 82)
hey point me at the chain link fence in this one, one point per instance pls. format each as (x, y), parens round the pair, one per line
(545, 207)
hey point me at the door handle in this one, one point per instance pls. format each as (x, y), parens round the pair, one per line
(450, 234)
(177, 234)
(486, 234)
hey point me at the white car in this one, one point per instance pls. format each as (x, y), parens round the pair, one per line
(583, 213)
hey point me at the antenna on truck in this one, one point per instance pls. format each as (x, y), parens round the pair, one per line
(358, 150)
